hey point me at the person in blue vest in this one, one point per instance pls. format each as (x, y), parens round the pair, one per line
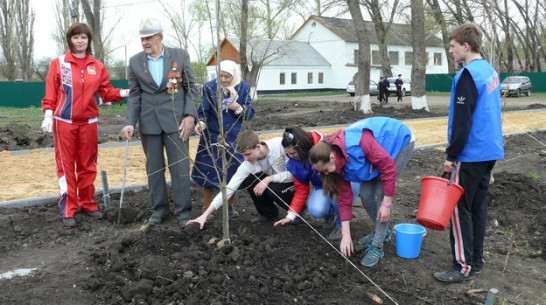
(475, 143)
(236, 110)
(373, 152)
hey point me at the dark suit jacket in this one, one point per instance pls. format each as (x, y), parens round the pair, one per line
(151, 105)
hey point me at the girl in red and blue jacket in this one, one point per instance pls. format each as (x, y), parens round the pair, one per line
(71, 113)
(297, 143)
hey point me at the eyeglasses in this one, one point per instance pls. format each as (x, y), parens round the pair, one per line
(288, 136)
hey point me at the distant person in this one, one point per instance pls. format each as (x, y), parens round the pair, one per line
(386, 85)
(71, 113)
(263, 174)
(163, 101)
(399, 82)
(372, 152)
(236, 110)
(381, 90)
(475, 143)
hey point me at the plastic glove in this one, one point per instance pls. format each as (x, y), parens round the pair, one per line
(47, 124)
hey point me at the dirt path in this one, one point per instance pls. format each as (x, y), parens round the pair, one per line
(36, 170)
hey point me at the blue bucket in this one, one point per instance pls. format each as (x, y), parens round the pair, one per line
(408, 239)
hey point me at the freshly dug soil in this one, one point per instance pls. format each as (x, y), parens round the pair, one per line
(277, 265)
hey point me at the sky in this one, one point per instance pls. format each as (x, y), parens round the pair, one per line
(125, 42)
(125, 35)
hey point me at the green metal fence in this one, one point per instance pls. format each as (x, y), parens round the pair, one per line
(23, 95)
(442, 82)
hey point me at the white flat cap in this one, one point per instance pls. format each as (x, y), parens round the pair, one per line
(149, 27)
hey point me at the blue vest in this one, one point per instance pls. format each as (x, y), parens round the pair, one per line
(391, 134)
(485, 141)
(295, 167)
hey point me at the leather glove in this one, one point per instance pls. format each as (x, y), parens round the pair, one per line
(47, 123)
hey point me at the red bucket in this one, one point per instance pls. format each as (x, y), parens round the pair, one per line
(438, 200)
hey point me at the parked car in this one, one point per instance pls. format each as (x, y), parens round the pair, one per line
(516, 85)
(406, 87)
(373, 88)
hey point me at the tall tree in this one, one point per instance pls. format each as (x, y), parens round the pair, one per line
(244, 40)
(362, 89)
(24, 17)
(7, 39)
(442, 23)
(93, 15)
(381, 30)
(419, 62)
(68, 12)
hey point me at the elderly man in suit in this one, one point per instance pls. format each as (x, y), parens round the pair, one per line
(163, 101)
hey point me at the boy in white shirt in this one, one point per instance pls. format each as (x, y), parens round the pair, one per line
(263, 174)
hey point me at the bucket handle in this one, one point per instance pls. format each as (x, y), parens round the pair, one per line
(451, 176)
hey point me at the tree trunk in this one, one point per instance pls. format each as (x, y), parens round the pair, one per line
(25, 24)
(244, 39)
(418, 67)
(362, 87)
(377, 19)
(94, 20)
(441, 21)
(7, 38)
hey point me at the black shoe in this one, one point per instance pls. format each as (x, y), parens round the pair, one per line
(329, 222)
(452, 275)
(232, 212)
(182, 221)
(94, 214)
(262, 219)
(155, 220)
(478, 266)
(69, 222)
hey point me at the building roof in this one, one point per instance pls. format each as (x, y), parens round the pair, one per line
(398, 34)
(282, 52)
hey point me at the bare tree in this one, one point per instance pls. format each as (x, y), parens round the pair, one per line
(274, 13)
(333, 8)
(41, 67)
(419, 63)
(68, 12)
(442, 23)
(93, 15)
(362, 89)
(381, 30)
(7, 38)
(244, 40)
(24, 17)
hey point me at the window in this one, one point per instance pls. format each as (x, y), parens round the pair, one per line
(310, 77)
(376, 59)
(437, 59)
(321, 78)
(408, 58)
(294, 78)
(393, 58)
(281, 78)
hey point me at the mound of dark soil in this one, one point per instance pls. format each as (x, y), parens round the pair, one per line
(276, 265)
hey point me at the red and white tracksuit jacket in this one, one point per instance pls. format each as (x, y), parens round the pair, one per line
(70, 94)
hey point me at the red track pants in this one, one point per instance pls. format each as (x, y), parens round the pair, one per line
(76, 150)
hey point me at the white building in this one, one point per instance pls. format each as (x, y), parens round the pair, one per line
(321, 55)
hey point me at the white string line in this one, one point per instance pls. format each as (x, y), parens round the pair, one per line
(524, 131)
(323, 238)
(302, 219)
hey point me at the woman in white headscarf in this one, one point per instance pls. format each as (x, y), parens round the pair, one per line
(235, 110)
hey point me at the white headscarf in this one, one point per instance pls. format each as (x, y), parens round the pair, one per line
(232, 68)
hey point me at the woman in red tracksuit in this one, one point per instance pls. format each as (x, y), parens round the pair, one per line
(71, 114)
